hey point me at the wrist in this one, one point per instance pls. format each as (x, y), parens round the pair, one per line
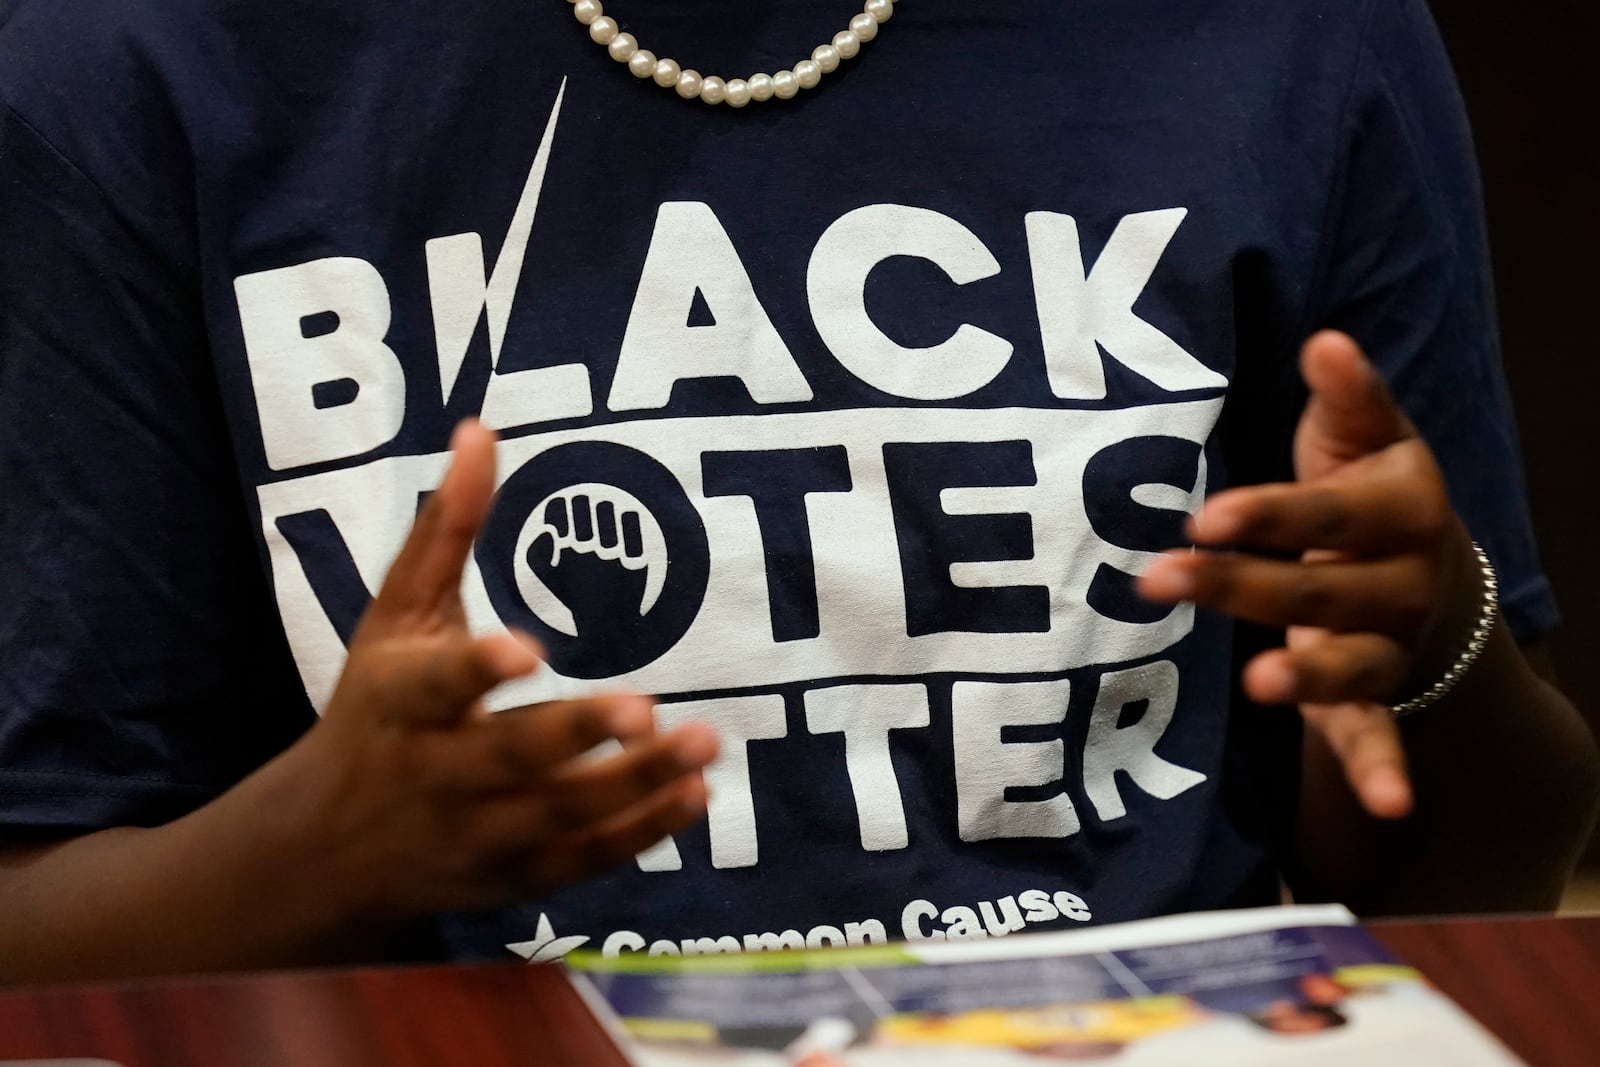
(307, 851)
(1459, 633)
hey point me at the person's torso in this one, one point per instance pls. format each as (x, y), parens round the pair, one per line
(842, 423)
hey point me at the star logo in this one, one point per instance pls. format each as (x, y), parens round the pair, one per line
(546, 947)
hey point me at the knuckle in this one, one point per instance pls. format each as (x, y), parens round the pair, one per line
(1255, 519)
(507, 845)
(1432, 517)
(1412, 605)
(1313, 669)
(426, 770)
(1308, 595)
(457, 526)
(433, 690)
(439, 673)
(510, 756)
(657, 768)
(1215, 577)
(1320, 675)
(1328, 517)
(478, 672)
(1361, 676)
(565, 811)
(587, 724)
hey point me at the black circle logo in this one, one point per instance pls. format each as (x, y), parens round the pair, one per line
(595, 549)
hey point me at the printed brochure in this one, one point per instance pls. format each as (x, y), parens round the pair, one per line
(1294, 986)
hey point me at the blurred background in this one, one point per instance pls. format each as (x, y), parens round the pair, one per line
(1531, 79)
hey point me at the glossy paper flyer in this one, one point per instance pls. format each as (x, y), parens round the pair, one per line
(1293, 986)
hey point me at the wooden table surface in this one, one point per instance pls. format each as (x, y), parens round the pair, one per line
(1534, 982)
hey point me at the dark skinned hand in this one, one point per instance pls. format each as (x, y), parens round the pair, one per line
(431, 802)
(1385, 587)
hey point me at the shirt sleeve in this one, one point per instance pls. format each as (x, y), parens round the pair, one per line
(142, 670)
(1404, 269)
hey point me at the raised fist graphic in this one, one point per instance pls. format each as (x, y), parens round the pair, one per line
(596, 558)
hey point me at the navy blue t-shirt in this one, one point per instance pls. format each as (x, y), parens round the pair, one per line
(842, 423)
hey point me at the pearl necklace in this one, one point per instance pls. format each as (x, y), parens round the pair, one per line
(738, 92)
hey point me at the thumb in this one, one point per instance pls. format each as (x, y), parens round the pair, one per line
(1351, 412)
(425, 577)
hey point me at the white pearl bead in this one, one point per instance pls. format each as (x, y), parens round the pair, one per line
(622, 47)
(737, 92)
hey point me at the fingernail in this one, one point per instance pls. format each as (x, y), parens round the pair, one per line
(457, 434)
(1166, 579)
(631, 719)
(509, 659)
(1278, 679)
(696, 750)
(1214, 524)
(1387, 795)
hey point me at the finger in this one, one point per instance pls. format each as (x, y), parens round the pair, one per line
(1367, 742)
(427, 572)
(605, 523)
(1389, 596)
(1351, 412)
(617, 840)
(1390, 503)
(632, 535)
(543, 552)
(585, 794)
(555, 516)
(517, 749)
(439, 680)
(1332, 668)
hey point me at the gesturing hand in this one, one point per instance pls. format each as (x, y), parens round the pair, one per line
(1386, 586)
(434, 804)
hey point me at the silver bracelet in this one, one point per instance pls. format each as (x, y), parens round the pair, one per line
(1489, 611)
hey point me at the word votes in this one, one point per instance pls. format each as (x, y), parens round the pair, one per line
(894, 575)
(325, 395)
